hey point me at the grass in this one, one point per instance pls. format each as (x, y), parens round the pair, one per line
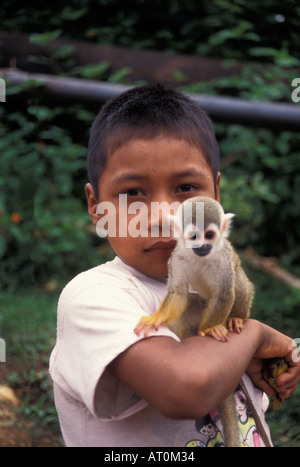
(28, 326)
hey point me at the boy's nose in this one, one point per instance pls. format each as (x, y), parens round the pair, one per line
(159, 217)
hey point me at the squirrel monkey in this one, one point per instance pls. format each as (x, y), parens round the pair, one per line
(208, 291)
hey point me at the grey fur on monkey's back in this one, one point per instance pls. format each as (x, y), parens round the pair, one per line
(243, 295)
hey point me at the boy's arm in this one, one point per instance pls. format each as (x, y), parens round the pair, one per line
(185, 380)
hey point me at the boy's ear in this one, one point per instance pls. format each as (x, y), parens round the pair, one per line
(92, 203)
(217, 188)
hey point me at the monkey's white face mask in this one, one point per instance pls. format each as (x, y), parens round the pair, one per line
(193, 231)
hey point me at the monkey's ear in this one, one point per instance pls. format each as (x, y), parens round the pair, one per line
(227, 220)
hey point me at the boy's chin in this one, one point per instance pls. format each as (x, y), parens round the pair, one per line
(153, 267)
(156, 269)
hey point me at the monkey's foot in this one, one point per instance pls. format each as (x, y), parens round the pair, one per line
(163, 315)
(148, 323)
(218, 332)
(170, 309)
(235, 324)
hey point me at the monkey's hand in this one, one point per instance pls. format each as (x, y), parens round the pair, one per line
(171, 308)
(218, 332)
(235, 324)
(273, 368)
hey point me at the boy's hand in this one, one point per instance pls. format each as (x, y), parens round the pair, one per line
(276, 344)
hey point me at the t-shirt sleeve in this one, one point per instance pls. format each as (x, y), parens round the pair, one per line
(96, 326)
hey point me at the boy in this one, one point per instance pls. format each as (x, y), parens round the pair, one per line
(112, 388)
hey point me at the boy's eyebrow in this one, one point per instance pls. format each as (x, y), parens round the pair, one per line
(136, 176)
(190, 173)
(128, 177)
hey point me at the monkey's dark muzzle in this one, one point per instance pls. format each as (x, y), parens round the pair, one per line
(203, 250)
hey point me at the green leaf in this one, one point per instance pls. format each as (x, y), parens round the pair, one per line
(45, 37)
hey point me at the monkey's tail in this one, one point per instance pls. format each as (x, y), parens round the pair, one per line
(228, 415)
(256, 417)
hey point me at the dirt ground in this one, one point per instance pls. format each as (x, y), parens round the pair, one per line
(17, 430)
(24, 434)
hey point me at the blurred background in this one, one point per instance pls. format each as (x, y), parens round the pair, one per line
(216, 48)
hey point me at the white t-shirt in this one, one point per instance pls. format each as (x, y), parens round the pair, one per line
(97, 313)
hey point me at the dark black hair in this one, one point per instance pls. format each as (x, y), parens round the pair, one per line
(146, 112)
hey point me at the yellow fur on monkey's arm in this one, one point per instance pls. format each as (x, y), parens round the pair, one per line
(173, 305)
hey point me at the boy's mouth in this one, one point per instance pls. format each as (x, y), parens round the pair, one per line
(162, 248)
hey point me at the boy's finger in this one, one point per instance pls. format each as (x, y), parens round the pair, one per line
(292, 376)
(261, 383)
(287, 392)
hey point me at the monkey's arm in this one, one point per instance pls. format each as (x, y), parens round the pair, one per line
(172, 306)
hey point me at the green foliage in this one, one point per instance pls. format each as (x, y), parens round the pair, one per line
(57, 58)
(43, 147)
(260, 167)
(219, 28)
(38, 403)
(43, 150)
(44, 226)
(260, 186)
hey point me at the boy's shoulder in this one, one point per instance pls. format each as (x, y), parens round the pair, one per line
(109, 277)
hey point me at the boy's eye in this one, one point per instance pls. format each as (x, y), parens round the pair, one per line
(187, 187)
(133, 192)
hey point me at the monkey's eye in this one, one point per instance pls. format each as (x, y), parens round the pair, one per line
(209, 235)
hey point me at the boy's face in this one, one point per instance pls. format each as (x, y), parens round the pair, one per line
(162, 169)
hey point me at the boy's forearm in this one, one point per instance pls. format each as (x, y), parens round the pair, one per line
(187, 379)
(217, 366)
(224, 364)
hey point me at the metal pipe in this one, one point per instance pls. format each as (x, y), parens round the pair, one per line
(66, 88)
(225, 109)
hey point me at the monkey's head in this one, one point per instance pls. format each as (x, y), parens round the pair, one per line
(201, 225)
